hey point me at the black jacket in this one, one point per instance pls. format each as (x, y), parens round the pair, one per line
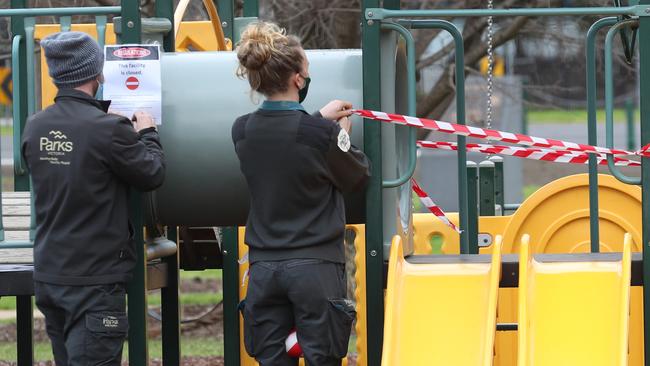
(82, 162)
(296, 174)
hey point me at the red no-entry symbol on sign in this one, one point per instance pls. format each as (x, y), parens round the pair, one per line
(132, 83)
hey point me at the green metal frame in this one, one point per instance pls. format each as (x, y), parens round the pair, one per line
(230, 252)
(374, 206)
(137, 287)
(468, 238)
(380, 14)
(644, 107)
(411, 104)
(226, 10)
(609, 101)
(592, 132)
(19, 10)
(169, 295)
(471, 168)
(251, 8)
(17, 13)
(487, 188)
(499, 182)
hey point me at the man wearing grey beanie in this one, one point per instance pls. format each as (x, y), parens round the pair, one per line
(83, 161)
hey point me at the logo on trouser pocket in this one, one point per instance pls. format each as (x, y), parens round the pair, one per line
(111, 322)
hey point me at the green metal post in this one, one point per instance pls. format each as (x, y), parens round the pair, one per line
(472, 206)
(21, 181)
(374, 205)
(226, 10)
(24, 330)
(165, 9)
(251, 8)
(644, 107)
(66, 23)
(609, 102)
(592, 132)
(170, 308)
(137, 289)
(486, 188)
(170, 305)
(30, 24)
(466, 238)
(499, 183)
(230, 296)
(131, 23)
(629, 118)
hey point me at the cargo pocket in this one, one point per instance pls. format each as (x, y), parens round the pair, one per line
(341, 316)
(248, 328)
(106, 333)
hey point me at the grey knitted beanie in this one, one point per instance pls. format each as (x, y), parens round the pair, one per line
(73, 58)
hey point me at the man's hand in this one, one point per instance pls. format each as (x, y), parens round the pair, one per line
(142, 120)
(346, 124)
(336, 109)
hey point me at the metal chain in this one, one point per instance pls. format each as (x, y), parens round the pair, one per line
(490, 69)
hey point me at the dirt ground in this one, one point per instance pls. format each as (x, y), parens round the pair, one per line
(209, 325)
(185, 361)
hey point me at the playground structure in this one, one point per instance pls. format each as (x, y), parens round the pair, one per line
(461, 304)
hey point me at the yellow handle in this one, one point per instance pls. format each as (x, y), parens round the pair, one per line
(222, 44)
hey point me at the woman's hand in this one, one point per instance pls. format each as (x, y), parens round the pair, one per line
(346, 124)
(336, 109)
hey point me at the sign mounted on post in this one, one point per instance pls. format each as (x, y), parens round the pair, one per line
(132, 79)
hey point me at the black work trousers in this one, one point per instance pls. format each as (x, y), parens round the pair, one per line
(308, 294)
(87, 325)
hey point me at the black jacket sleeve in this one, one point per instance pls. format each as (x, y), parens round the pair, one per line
(137, 157)
(349, 170)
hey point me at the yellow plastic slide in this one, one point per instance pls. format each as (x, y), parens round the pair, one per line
(574, 311)
(441, 310)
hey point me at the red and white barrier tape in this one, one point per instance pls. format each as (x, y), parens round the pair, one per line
(482, 133)
(435, 210)
(557, 156)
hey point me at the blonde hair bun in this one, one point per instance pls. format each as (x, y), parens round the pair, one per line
(267, 56)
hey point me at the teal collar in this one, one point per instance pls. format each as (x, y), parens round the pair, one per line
(276, 105)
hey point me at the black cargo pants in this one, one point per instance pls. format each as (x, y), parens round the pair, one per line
(86, 324)
(307, 294)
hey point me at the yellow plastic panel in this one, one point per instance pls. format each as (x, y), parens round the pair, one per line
(432, 236)
(440, 313)
(556, 216)
(574, 313)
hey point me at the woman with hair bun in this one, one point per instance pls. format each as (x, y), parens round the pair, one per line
(297, 167)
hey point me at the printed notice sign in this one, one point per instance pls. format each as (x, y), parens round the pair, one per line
(132, 79)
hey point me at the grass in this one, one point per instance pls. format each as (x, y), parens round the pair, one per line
(210, 346)
(196, 298)
(204, 275)
(561, 116)
(529, 189)
(8, 303)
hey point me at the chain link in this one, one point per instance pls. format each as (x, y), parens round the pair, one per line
(490, 68)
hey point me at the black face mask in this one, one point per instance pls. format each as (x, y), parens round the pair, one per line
(302, 93)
